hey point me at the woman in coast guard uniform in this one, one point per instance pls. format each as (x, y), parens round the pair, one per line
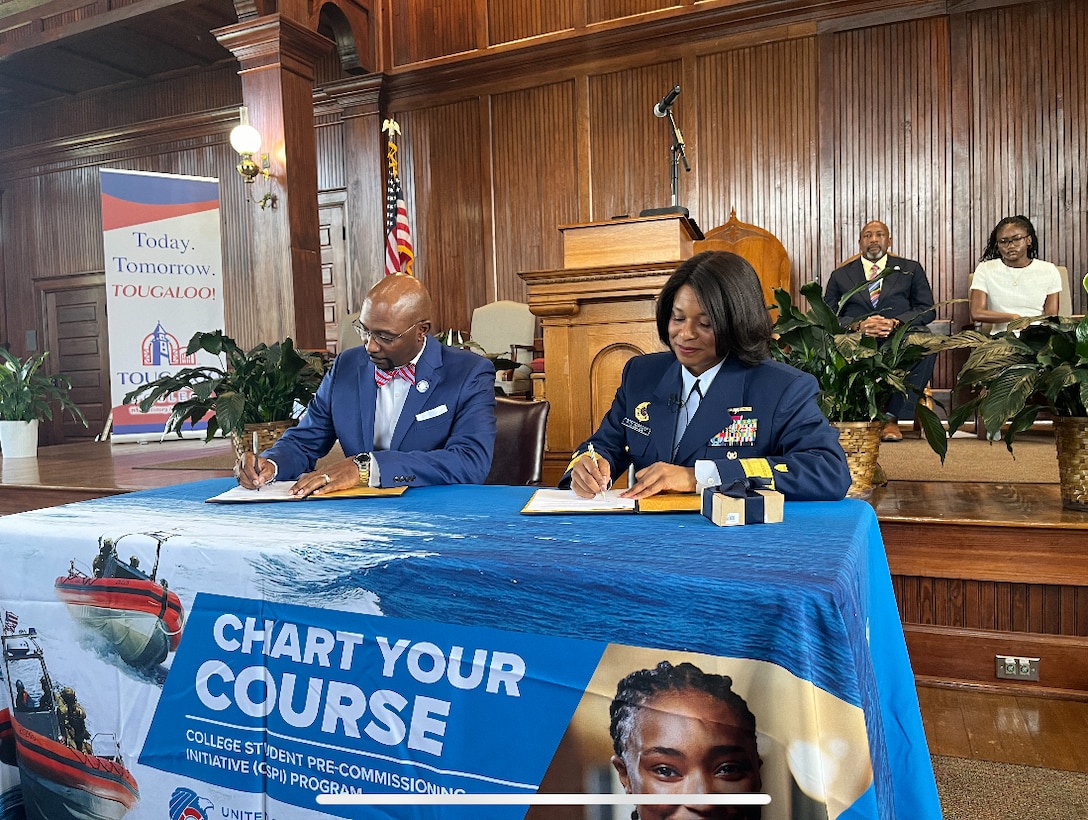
(715, 407)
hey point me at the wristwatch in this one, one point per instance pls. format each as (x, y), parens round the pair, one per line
(362, 461)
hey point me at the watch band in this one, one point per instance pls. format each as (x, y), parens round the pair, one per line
(362, 461)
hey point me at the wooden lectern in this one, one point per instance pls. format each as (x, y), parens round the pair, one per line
(598, 312)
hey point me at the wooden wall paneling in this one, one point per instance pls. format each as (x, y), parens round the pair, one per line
(486, 190)
(759, 157)
(511, 20)
(534, 139)
(425, 30)
(357, 103)
(332, 168)
(630, 148)
(599, 11)
(1030, 152)
(440, 171)
(893, 107)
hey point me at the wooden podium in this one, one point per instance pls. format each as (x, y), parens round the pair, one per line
(597, 312)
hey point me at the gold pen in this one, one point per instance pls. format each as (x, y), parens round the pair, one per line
(596, 463)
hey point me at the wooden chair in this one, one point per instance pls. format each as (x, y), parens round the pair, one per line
(761, 248)
(519, 442)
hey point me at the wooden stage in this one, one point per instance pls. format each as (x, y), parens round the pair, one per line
(979, 569)
(89, 469)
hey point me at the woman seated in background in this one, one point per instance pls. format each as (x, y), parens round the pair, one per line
(714, 407)
(1011, 282)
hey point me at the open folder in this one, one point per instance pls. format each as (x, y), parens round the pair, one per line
(565, 502)
(278, 491)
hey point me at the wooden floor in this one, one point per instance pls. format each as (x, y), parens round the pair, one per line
(1030, 731)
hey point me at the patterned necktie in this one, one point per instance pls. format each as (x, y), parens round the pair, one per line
(405, 371)
(874, 284)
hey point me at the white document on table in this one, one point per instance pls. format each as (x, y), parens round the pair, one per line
(546, 501)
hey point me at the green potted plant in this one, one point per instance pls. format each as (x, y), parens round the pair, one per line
(857, 375)
(28, 395)
(253, 394)
(1039, 363)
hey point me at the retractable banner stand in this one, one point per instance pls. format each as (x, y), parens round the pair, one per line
(164, 282)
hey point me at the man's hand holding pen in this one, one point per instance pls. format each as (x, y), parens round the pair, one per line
(591, 475)
(253, 472)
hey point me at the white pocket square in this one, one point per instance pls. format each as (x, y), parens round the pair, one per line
(432, 413)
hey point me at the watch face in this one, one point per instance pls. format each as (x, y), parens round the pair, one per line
(363, 459)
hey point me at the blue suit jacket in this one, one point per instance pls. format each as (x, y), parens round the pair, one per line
(753, 421)
(905, 293)
(445, 434)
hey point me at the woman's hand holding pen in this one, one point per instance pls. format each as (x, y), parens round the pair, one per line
(591, 475)
(253, 472)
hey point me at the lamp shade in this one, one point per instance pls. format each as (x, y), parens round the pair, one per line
(245, 139)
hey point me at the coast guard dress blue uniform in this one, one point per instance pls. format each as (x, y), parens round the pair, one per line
(445, 433)
(752, 421)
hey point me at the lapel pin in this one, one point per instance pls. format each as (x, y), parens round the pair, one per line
(423, 385)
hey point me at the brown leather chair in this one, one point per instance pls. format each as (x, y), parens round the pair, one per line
(519, 443)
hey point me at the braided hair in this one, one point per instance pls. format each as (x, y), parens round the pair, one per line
(1020, 221)
(640, 686)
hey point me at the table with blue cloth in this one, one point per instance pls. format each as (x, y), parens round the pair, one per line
(241, 660)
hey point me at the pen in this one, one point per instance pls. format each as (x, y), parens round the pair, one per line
(593, 455)
(256, 458)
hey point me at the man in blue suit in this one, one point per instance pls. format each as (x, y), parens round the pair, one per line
(714, 408)
(901, 297)
(408, 410)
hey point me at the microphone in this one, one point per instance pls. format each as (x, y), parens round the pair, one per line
(662, 108)
(675, 402)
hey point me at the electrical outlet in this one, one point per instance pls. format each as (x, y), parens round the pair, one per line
(1014, 667)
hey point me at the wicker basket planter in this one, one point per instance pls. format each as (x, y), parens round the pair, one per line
(1071, 436)
(267, 434)
(861, 442)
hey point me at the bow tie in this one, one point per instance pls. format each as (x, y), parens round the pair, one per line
(406, 372)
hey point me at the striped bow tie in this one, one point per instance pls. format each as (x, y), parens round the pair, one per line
(405, 371)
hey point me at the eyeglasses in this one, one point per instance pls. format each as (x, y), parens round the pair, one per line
(384, 339)
(1011, 240)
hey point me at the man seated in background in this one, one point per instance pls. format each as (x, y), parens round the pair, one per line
(901, 296)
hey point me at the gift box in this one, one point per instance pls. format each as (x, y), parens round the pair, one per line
(742, 502)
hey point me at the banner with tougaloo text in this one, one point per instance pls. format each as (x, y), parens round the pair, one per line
(164, 282)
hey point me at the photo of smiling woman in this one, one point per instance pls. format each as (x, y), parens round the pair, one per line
(714, 407)
(679, 730)
(1011, 281)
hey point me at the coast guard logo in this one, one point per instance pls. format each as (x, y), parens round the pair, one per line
(185, 804)
(162, 348)
(641, 412)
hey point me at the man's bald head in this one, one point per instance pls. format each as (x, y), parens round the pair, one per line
(397, 306)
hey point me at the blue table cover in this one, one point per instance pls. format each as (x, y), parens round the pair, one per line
(327, 646)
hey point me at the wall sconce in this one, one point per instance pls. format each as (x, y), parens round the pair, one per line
(246, 140)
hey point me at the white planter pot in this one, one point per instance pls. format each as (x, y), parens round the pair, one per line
(19, 439)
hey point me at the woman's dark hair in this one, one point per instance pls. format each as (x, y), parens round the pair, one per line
(642, 685)
(729, 291)
(1020, 221)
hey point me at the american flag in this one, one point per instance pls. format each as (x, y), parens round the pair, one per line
(398, 236)
(11, 622)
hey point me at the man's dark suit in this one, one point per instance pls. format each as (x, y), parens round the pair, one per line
(905, 295)
(753, 421)
(445, 433)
